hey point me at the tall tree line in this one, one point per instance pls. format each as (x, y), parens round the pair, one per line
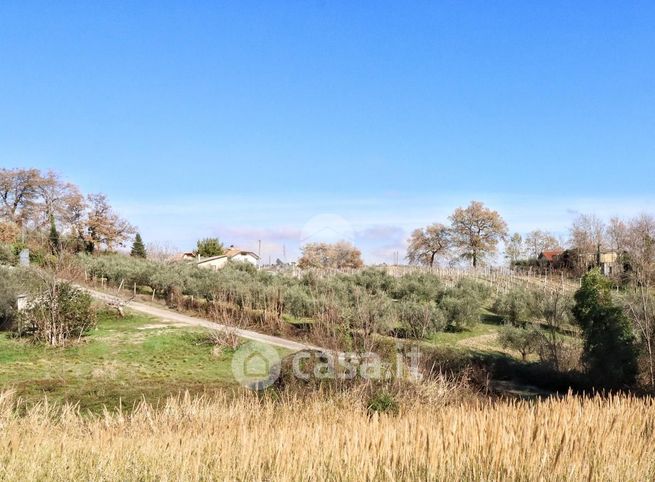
(36, 205)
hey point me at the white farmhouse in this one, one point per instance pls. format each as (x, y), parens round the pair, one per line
(231, 254)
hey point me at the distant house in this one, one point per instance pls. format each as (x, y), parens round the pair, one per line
(231, 254)
(609, 262)
(549, 257)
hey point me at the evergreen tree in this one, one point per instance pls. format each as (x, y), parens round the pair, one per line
(209, 247)
(53, 238)
(138, 248)
(609, 353)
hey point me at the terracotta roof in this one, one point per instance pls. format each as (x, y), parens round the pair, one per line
(232, 251)
(551, 254)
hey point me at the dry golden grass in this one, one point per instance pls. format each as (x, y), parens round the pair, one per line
(248, 438)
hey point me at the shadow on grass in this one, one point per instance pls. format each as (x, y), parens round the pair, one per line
(495, 371)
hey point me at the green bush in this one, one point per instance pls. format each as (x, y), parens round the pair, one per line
(375, 281)
(8, 294)
(420, 320)
(298, 303)
(420, 286)
(372, 313)
(382, 402)
(523, 340)
(59, 313)
(514, 307)
(13, 282)
(463, 304)
(7, 255)
(209, 247)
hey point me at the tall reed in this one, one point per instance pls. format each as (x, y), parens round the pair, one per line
(316, 438)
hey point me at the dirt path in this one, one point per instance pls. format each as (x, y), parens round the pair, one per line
(170, 315)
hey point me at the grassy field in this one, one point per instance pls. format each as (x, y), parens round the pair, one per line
(314, 438)
(122, 360)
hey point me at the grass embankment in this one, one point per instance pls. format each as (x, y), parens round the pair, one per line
(121, 361)
(313, 438)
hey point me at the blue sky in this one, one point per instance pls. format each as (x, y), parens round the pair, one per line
(266, 120)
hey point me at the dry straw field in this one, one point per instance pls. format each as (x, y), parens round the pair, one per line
(253, 438)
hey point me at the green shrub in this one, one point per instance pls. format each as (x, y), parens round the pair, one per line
(463, 304)
(8, 294)
(375, 281)
(7, 255)
(514, 307)
(298, 302)
(209, 247)
(419, 286)
(382, 402)
(59, 313)
(420, 320)
(13, 282)
(523, 340)
(372, 313)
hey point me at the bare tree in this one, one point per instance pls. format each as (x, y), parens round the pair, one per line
(477, 231)
(639, 242)
(325, 255)
(426, 244)
(161, 252)
(617, 234)
(640, 308)
(587, 238)
(640, 245)
(514, 249)
(554, 308)
(18, 193)
(36, 203)
(538, 241)
(57, 199)
(9, 232)
(104, 226)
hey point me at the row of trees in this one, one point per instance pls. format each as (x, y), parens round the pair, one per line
(473, 234)
(42, 208)
(589, 237)
(518, 248)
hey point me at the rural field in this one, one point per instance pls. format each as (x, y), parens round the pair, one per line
(290, 241)
(144, 398)
(254, 438)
